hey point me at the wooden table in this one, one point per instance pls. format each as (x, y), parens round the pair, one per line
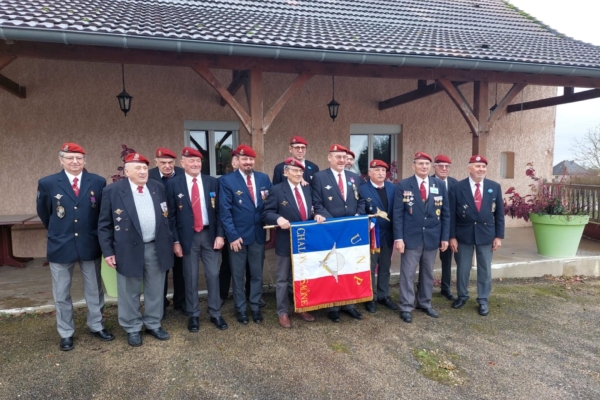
(6, 251)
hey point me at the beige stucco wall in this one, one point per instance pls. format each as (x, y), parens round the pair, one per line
(75, 101)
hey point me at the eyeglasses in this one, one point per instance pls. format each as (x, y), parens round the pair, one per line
(302, 148)
(71, 158)
(441, 166)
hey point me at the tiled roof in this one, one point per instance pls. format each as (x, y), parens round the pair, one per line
(467, 29)
(569, 168)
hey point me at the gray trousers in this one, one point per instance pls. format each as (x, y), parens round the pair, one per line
(446, 259)
(424, 259)
(62, 275)
(464, 259)
(255, 255)
(381, 285)
(202, 248)
(130, 290)
(284, 272)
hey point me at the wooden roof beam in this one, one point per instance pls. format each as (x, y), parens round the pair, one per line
(237, 81)
(8, 84)
(419, 93)
(555, 101)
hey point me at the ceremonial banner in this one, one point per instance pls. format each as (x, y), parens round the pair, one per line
(331, 263)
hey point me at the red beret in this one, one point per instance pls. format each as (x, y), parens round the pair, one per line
(164, 152)
(244, 150)
(422, 156)
(477, 159)
(338, 147)
(378, 163)
(298, 140)
(72, 148)
(190, 152)
(350, 153)
(440, 158)
(137, 158)
(294, 163)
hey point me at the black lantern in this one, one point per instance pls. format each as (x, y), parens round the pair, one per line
(333, 105)
(124, 97)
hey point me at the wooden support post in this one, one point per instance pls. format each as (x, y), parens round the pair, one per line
(257, 118)
(481, 113)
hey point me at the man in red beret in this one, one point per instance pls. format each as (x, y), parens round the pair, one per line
(379, 195)
(421, 223)
(335, 193)
(194, 217)
(477, 211)
(136, 239)
(350, 157)
(241, 204)
(68, 203)
(164, 170)
(297, 149)
(441, 165)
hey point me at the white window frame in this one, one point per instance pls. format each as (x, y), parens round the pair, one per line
(211, 127)
(394, 131)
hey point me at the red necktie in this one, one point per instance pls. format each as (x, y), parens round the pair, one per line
(341, 185)
(477, 197)
(75, 187)
(301, 207)
(140, 189)
(250, 188)
(196, 207)
(423, 191)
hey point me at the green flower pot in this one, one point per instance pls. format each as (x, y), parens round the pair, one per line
(558, 235)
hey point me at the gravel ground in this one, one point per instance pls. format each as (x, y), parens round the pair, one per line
(540, 341)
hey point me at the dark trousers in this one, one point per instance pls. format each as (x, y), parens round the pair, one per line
(178, 284)
(446, 258)
(225, 273)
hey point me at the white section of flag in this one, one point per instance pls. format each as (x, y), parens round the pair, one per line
(307, 265)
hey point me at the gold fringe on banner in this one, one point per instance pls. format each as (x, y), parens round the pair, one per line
(334, 304)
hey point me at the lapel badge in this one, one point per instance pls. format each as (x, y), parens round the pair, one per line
(493, 207)
(213, 196)
(327, 187)
(330, 198)
(240, 201)
(93, 199)
(490, 190)
(165, 214)
(119, 219)
(60, 211)
(180, 195)
(239, 192)
(369, 199)
(438, 212)
(58, 196)
(118, 211)
(284, 203)
(117, 228)
(465, 206)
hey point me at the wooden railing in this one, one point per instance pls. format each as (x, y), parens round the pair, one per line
(584, 198)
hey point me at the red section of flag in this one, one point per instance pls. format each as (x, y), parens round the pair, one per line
(313, 294)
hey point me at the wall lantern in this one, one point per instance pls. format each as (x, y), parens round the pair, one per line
(333, 105)
(124, 97)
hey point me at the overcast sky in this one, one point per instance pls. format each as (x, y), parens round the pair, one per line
(579, 20)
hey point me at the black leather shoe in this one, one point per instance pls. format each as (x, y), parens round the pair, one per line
(219, 323)
(104, 335)
(261, 303)
(429, 311)
(353, 312)
(483, 310)
(334, 316)
(242, 317)
(257, 316)
(180, 309)
(448, 295)
(66, 343)
(194, 324)
(371, 306)
(458, 303)
(158, 333)
(387, 302)
(406, 316)
(134, 339)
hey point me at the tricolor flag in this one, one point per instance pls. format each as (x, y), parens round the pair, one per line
(331, 263)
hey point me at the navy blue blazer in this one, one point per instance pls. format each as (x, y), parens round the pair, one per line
(154, 173)
(309, 171)
(327, 198)
(470, 226)
(282, 203)
(120, 232)
(373, 202)
(418, 222)
(73, 237)
(182, 215)
(239, 216)
(451, 182)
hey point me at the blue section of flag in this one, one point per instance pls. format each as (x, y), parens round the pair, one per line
(343, 232)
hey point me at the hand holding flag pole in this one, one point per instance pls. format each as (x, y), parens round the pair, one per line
(379, 213)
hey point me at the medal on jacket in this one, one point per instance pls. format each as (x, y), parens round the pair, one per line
(213, 195)
(354, 188)
(60, 210)
(92, 199)
(493, 207)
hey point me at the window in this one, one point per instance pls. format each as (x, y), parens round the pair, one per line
(507, 165)
(370, 142)
(215, 140)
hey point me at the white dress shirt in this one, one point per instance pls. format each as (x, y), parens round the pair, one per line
(473, 187)
(71, 177)
(301, 195)
(344, 183)
(426, 180)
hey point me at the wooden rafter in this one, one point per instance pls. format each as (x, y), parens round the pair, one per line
(506, 100)
(8, 84)
(290, 91)
(463, 105)
(5, 60)
(237, 81)
(56, 51)
(419, 93)
(257, 129)
(555, 101)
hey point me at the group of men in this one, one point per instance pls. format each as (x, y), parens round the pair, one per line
(172, 217)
